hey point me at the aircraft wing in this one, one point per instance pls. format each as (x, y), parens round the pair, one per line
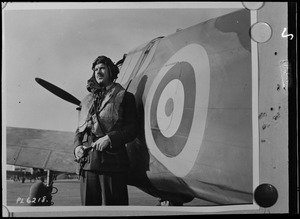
(44, 149)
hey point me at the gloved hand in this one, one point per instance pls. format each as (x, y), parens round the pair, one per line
(79, 151)
(101, 143)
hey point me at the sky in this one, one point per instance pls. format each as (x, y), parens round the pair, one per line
(59, 44)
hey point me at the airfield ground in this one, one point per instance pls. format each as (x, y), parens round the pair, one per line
(68, 194)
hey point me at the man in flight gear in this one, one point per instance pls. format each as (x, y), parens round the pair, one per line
(107, 121)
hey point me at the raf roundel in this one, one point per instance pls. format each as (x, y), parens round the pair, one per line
(176, 109)
(172, 109)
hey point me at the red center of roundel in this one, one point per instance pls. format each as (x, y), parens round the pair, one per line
(169, 107)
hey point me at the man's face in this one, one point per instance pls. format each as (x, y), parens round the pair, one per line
(102, 74)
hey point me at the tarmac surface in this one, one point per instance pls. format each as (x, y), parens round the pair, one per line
(68, 195)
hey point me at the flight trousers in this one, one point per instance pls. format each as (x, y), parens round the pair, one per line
(98, 188)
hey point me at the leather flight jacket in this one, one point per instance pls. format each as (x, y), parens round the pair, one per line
(107, 115)
(95, 126)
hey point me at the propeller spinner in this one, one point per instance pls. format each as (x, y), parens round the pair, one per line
(58, 91)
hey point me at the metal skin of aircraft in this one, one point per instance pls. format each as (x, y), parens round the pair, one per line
(193, 95)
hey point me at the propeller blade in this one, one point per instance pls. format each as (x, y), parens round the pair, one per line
(58, 91)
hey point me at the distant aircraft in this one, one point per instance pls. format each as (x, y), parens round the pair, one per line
(193, 92)
(21, 174)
